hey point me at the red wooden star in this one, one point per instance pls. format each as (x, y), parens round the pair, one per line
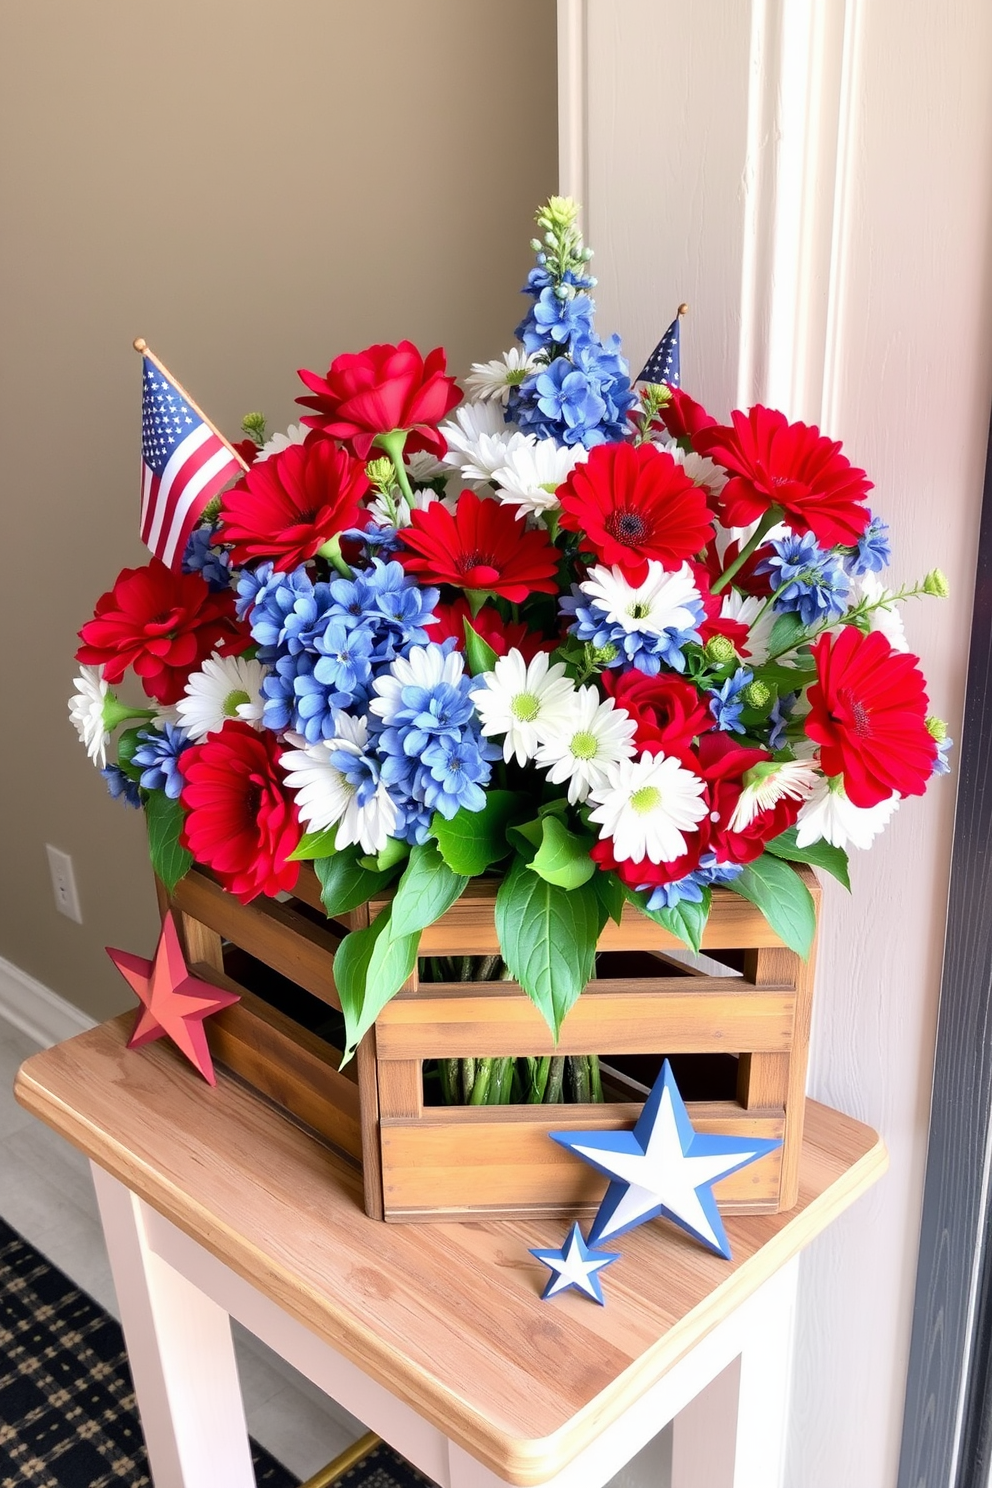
(175, 1003)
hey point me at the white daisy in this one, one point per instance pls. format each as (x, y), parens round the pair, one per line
(353, 799)
(225, 687)
(581, 749)
(700, 469)
(523, 702)
(830, 815)
(659, 604)
(424, 666)
(398, 515)
(646, 806)
(885, 617)
(276, 443)
(533, 473)
(490, 382)
(423, 466)
(768, 783)
(86, 709)
(757, 614)
(480, 441)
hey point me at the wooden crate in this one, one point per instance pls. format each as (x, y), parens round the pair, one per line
(427, 1162)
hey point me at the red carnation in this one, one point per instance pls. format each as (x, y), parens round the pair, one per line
(867, 713)
(373, 392)
(482, 546)
(791, 466)
(500, 634)
(723, 764)
(634, 503)
(668, 712)
(163, 624)
(286, 507)
(683, 417)
(241, 821)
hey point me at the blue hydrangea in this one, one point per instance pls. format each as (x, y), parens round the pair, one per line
(806, 580)
(345, 650)
(873, 552)
(359, 770)
(557, 318)
(689, 890)
(158, 755)
(212, 563)
(121, 786)
(646, 651)
(726, 703)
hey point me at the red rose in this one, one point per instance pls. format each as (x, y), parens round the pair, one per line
(668, 712)
(723, 764)
(501, 635)
(373, 392)
(482, 546)
(683, 417)
(241, 821)
(792, 466)
(288, 506)
(642, 874)
(163, 624)
(868, 708)
(633, 503)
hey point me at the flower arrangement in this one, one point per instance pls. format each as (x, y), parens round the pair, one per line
(572, 632)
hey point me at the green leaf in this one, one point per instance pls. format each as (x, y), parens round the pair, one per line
(314, 845)
(685, 921)
(394, 851)
(784, 679)
(344, 883)
(548, 938)
(609, 891)
(478, 653)
(127, 744)
(787, 632)
(428, 887)
(783, 899)
(563, 856)
(165, 819)
(473, 840)
(818, 855)
(370, 967)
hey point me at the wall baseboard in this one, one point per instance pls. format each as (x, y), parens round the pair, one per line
(36, 1010)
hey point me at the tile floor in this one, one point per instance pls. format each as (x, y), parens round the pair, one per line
(47, 1195)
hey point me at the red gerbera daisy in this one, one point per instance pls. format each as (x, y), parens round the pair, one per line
(482, 546)
(868, 711)
(241, 822)
(161, 623)
(288, 506)
(791, 466)
(500, 634)
(634, 503)
(668, 712)
(683, 417)
(373, 392)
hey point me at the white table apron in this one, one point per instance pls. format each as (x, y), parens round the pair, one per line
(727, 1398)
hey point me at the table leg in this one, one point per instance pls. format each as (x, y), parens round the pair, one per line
(181, 1355)
(733, 1433)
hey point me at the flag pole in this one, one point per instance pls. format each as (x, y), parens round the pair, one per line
(141, 346)
(682, 310)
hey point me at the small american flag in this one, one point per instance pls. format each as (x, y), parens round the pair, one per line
(664, 363)
(185, 463)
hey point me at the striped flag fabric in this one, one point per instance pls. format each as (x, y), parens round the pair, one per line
(185, 463)
(664, 363)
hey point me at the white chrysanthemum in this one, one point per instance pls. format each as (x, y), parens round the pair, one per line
(700, 469)
(581, 750)
(523, 702)
(399, 516)
(224, 687)
(759, 617)
(829, 815)
(490, 382)
(423, 466)
(770, 782)
(647, 805)
(325, 797)
(276, 443)
(533, 472)
(659, 604)
(424, 666)
(86, 709)
(885, 617)
(480, 441)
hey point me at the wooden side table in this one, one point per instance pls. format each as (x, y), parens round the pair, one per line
(215, 1206)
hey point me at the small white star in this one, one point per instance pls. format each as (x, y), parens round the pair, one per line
(576, 1265)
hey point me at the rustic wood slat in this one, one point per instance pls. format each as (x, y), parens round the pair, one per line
(401, 1087)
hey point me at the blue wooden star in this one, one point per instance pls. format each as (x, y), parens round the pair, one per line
(576, 1265)
(663, 1167)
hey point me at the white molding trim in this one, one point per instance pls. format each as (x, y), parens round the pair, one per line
(36, 1010)
(572, 110)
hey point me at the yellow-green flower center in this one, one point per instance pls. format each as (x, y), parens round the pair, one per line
(645, 799)
(233, 701)
(638, 610)
(584, 745)
(525, 707)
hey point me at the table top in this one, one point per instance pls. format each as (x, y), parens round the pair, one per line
(446, 1316)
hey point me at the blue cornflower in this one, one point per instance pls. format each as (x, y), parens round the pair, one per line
(806, 579)
(873, 552)
(941, 764)
(779, 719)
(689, 890)
(158, 755)
(726, 703)
(121, 786)
(212, 563)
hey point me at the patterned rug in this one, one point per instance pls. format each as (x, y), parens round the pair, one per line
(67, 1413)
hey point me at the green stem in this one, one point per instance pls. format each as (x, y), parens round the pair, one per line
(331, 550)
(556, 1077)
(768, 521)
(480, 1085)
(595, 1081)
(394, 443)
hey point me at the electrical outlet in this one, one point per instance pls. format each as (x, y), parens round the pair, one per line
(64, 884)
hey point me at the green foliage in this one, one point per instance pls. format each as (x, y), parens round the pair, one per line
(370, 967)
(165, 817)
(428, 887)
(783, 899)
(314, 845)
(344, 883)
(473, 840)
(479, 655)
(548, 936)
(127, 745)
(818, 855)
(686, 921)
(611, 896)
(786, 633)
(562, 857)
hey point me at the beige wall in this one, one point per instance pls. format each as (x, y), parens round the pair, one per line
(253, 186)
